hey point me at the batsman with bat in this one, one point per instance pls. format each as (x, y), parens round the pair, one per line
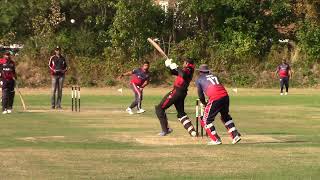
(218, 102)
(177, 96)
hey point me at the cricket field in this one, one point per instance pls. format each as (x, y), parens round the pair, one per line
(280, 138)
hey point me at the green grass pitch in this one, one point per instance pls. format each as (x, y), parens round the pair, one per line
(280, 138)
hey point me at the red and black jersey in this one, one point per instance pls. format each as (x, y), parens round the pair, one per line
(57, 65)
(139, 76)
(184, 77)
(7, 69)
(283, 70)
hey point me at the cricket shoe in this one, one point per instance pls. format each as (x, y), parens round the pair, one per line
(140, 111)
(281, 94)
(285, 93)
(212, 142)
(129, 110)
(5, 112)
(9, 111)
(236, 139)
(166, 133)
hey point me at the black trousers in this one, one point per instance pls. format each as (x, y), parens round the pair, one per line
(57, 85)
(175, 97)
(284, 82)
(214, 107)
(210, 112)
(8, 94)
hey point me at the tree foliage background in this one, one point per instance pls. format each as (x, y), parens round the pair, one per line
(239, 39)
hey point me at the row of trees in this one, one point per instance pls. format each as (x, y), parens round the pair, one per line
(109, 36)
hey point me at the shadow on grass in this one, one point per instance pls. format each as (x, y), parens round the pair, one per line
(276, 142)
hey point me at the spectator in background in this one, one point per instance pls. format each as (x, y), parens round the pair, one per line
(7, 81)
(58, 67)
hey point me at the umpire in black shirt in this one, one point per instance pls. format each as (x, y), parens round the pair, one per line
(58, 67)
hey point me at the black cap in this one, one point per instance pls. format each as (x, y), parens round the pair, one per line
(57, 48)
(204, 68)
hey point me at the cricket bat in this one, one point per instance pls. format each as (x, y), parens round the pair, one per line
(155, 45)
(21, 98)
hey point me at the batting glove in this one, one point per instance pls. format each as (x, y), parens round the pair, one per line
(1, 83)
(173, 66)
(168, 62)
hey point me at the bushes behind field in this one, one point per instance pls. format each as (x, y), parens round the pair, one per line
(103, 71)
(102, 39)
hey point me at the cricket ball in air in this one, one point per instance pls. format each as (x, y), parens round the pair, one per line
(72, 21)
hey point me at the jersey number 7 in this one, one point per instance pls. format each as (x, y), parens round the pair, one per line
(213, 79)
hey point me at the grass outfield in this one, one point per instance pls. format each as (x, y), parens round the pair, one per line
(280, 139)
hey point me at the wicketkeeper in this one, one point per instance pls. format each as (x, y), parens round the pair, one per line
(7, 81)
(177, 96)
(140, 78)
(218, 102)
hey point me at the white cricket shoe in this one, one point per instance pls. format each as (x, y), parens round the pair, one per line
(236, 140)
(9, 111)
(129, 110)
(281, 94)
(217, 142)
(141, 111)
(285, 93)
(5, 112)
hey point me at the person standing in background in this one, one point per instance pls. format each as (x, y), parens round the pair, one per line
(7, 81)
(284, 73)
(58, 68)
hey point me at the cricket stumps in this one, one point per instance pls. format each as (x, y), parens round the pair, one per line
(199, 116)
(75, 98)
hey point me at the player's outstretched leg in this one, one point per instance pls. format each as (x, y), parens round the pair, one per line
(139, 103)
(136, 99)
(211, 110)
(287, 86)
(228, 122)
(231, 128)
(186, 122)
(5, 96)
(10, 101)
(161, 114)
(281, 86)
(211, 131)
(183, 117)
(165, 103)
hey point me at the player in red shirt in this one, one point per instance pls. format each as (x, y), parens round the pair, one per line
(140, 78)
(284, 73)
(218, 102)
(176, 97)
(7, 80)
